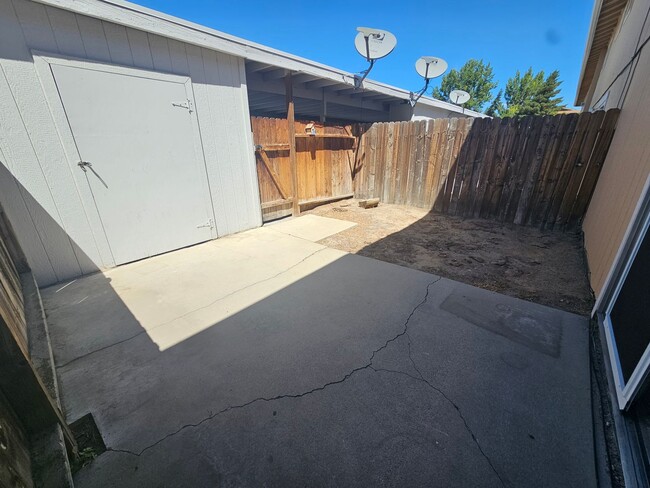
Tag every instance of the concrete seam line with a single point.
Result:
(234, 292)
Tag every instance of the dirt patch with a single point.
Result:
(546, 267)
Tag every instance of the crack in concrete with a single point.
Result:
(368, 365)
(454, 404)
(420, 378)
(241, 289)
(202, 307)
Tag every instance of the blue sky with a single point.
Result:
(510, 34)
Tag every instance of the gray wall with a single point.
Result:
(52, 217)
(404, 111)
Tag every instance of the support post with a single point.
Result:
(323, 113)
(288, 87)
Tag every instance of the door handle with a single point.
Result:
(84, 164)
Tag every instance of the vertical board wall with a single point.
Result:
(54, 218)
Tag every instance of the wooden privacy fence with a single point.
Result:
(324, 162)
(27, 407)
(535, 170)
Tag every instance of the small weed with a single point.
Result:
(85, 457)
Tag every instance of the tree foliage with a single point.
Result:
(496, 107)
(475, 77)
(529, 94)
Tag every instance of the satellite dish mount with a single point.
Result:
(428, 67)
(372, 44)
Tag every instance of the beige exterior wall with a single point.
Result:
(627, 165)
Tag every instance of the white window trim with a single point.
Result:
(636, 231)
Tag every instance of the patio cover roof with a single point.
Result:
(267, 62)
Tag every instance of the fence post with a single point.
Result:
(288, 87)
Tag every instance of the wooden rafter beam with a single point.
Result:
(304, 78)
(347, 91)
(254, 66)
(277, 74)
(257, 83)
(322, 83)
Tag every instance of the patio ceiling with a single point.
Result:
(314, 96)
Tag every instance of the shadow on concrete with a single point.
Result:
(356, 373)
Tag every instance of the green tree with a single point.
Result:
(496, 107)
(475, 77)
(530, 94)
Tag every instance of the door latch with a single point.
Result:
(187, 104)
(209, 223)
(84, 164)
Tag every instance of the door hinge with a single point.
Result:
(187, 104)
(209, 223)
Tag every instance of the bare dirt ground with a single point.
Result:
(546, 267)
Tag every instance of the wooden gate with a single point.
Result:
(324, 160)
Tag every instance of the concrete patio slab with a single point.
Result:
(312, 227)
(264, 359)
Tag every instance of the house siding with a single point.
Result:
(54, 217)
(627, 165)
(404, 111)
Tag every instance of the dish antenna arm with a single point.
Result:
(372, 44)
(358, 78)
(414, 97)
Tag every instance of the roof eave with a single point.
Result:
(142, 18)
(605, 19)
(590, 39)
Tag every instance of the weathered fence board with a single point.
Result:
(324, 163)
(534, 170)
(12, 305)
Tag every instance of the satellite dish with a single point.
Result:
(374, 43)
(430, 67)
(427, 67)
(459, 97)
